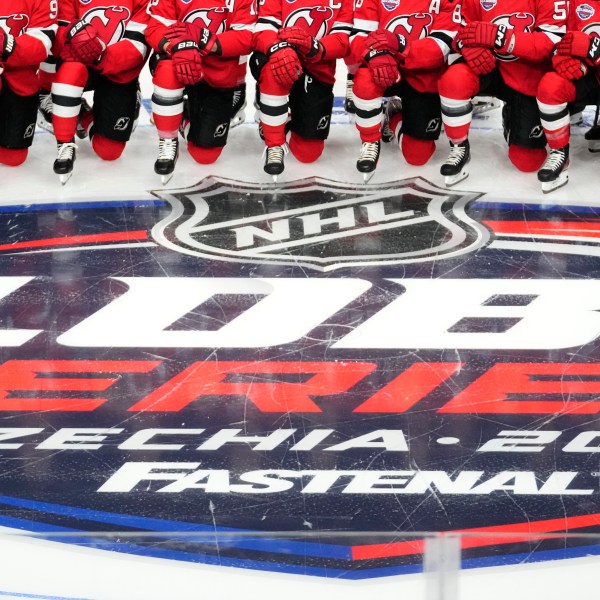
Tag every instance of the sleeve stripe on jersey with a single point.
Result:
(444, 39)
(166, 22)
(272, 21)
(342, 28)
(243, 26)
(361, 25)
(46, 36)
(138, 40)
(62, 23)
(554, 32)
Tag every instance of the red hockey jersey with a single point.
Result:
(33, 25)
(428, 25)
(231, 20)
(329, 21)
(585, 16)
(538, 25)
(121, 27)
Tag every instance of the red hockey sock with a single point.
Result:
(13, 157)
(416, 152)
(203, 155)
(526, 159)
(305, 150)
(107, 149)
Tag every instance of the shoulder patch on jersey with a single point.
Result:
(390, 4)
(585, 11)
(488, 4)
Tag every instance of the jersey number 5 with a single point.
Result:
(560, 10)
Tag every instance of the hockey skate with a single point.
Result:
(554, 172)
(274, 164)
(368, 159)
(349, 99)
(45, 111)
(593, 138)
(84, 120)
(168, 153)
(65, 158)
(239, 106)
(454, 168)
(392, 107)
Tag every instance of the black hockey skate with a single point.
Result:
(168, 153)
(392, 107)
(454, 168)
(84, 120)
(553, 173)
(274, 164)
(65, 159)
(593, 138)
(349, 99)
(44, 119)
(368, 159)
(239, 106)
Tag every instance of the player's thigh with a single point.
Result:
(210, 112)
(114, 108)
(521, 121)
(17, 118)
(311, 103)
(421, 113)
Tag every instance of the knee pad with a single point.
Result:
(13, 157)
(204, 155)
(458, 83)
(305, 150)
(416, 152)
(554, 89)
(107, 149)
(526, 159)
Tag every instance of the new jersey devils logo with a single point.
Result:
(519, 22)
(15, 24)
(411, 26)
(212, 18)
(593, 30)
(315, 20)
(108, 21)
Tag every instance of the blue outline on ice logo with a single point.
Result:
(488, 4)
(585, 11)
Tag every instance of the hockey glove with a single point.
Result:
(285, 63)
(480, 60)
(386, 41)
(581, 45)
(383, 67)
(7, 45)
(86, 46)
(187, 62)
(568, 67)
(303, 42)
(205, 38)
(488, 35)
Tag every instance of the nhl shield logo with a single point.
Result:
(319, 223)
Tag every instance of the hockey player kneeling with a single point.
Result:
(198, 44)
(404, 47)
(102, 48)
(506, 49)
(574, 81)
(27, 30)
(296, 49)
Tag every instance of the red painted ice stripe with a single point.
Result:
(76, 240)
(510, 533)
(574, 228)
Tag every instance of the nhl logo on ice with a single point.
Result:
(584, 12)
(319, 223)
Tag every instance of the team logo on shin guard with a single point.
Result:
(319, 223)
(122, 124)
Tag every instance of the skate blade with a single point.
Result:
(594, 145)
(550, 186)
(164, 179)
(367, 176)
(43, 124)
(275, 177)
(237, 120)
(64, 177)
(451, 180)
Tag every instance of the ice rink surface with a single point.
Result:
(519, 244)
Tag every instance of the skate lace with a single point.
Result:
(369, 151)
(275, 154)
(457, 153)
(167, 148)
(46, 103)
(555, 159)
(66, 151)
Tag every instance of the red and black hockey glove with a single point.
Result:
(303, 42)
(386, 41)
(7, 45)
(581, 45)
(180, 32)
(285, 63)
(480, 60)
(487, 35)
(187, 62)
(383, 67)
(568, 67)
(86, 46)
